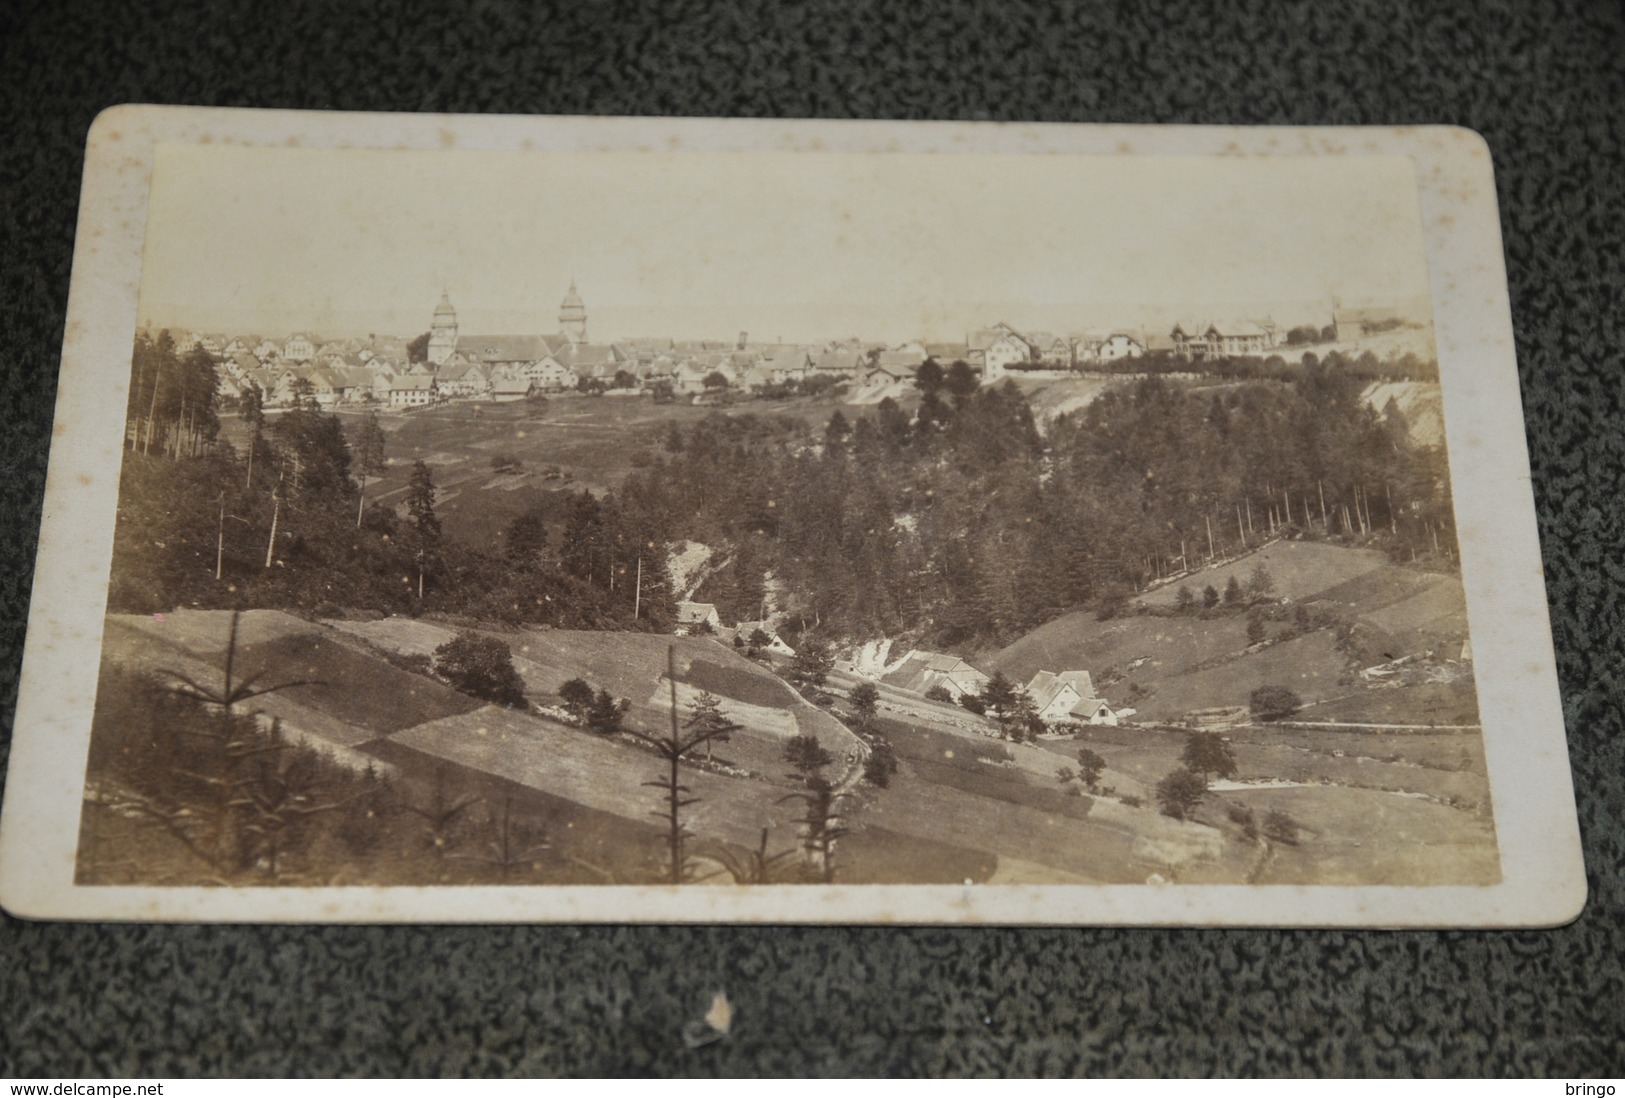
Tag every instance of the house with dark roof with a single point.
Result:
(788, 362)
(1093, 347)
(462, 379)
(1221, 339)
(775, 643)
(300, 347)
(840, 361)
(548, 374)
(697, 615)
(411, 390)
(1354, 323)
(1098, 711)
(947, 354)
(998, 349)
(512, 388)
(892, 366)
(921, 670)
(1057, 695)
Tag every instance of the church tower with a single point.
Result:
(573, 317)
(443, 332)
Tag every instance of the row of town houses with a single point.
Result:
(1057, 695)
(470, 366)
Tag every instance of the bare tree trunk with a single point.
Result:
(674, 789)
(175, 444)
(276, 513)
(1209, 522)
(1324, 521)
(1240, 528)
(152, 413)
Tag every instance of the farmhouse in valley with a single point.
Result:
(920, 671)
(1056, 695)
(697, 615)
(775, 643)
(1096, 711)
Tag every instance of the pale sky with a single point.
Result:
(799, 246)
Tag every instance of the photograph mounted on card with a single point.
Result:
(561, 519)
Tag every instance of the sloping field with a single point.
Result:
(1424, 703)
(1309, 665)
(407, 636)
(601, 774)
(899, 391)
(357, 688)
(1361, 836)
(1190, 662)
(871, 854)
(1104, 847)
(1381, 823)
(633, 665)
(1078, 641)
(1054, 395)
(1299, 568)
(355, 697)
(1377, 589)
(737, 678)
(628, 665)
(1439, 607)
(203, 633)
(1022, 813)
(606, 842)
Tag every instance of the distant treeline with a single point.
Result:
(1288, 366)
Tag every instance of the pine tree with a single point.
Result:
(420, 493)
(369, 458)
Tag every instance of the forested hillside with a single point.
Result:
(279, 523)
(962, 525)
(957, 523)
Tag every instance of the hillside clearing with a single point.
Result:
(1298, 570)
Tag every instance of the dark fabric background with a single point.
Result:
(1544, 82)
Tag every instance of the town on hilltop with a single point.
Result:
(450, 364)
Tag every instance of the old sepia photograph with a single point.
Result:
(609, 518)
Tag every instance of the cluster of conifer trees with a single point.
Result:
(961, 524)
(956, 523)
(282, 522)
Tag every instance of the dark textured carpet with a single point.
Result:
(1545, 83)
